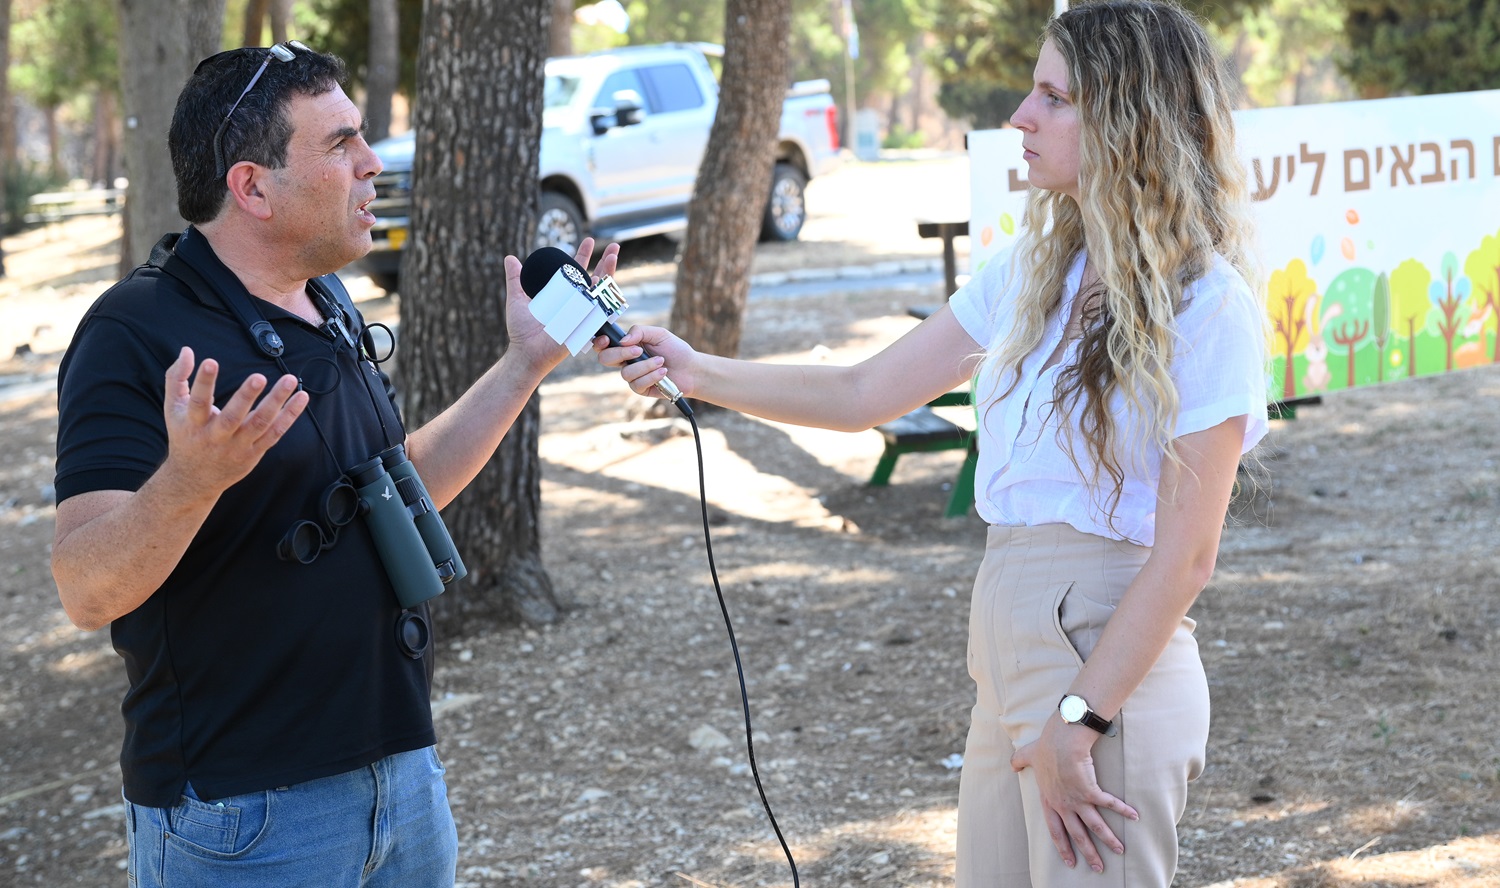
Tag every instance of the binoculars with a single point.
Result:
(414, 544)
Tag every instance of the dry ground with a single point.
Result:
(1350, 637)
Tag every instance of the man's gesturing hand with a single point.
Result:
(214, 447)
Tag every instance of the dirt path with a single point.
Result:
(1350, 637)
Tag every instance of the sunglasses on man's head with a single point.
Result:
(281, 52)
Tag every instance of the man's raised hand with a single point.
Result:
(215, 447)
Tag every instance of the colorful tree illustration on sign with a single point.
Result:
(1483, 268)
(1286, 300)
(1381, 315)
(1450, 293)
(1348, 309)
(1409, 306)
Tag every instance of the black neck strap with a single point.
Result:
(327, 293)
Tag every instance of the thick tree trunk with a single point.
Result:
(560, 34)
(281, 20)
(158, 51)
(54, 142)
(255, 21)
(7, 136)
(385, 68)
(106, 139)
(734, 182)
(474, 193)
(205, 26)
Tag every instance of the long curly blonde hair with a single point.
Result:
(1161, 190)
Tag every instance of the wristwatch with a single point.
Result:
(1075, 711)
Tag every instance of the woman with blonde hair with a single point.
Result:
(1117, 358)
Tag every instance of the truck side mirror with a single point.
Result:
(628, 111)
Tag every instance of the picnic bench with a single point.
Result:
(923, 431)
(55, 206)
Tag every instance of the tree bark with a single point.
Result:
(106, 139)
(158, 51)
(7, 135)
(734, 182)
(54, 142)
(281, 19)
(255, 21)
(205, 27)
(560, 34)
(474, 195)
(385, 68)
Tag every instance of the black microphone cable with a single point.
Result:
(537, 272)
(734, 646)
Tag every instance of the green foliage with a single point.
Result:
(888, 35)
(666, 21)
(1289, 43)
(595, 38)
(985, 42)
(898, 138)
(1419, 47)
(985, 50)
(22, 180)
(342, 27)
(65, 49)
(985, 104)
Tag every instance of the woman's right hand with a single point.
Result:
(669, 356)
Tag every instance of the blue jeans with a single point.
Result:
(381, 826)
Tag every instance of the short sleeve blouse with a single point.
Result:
(1025, 476)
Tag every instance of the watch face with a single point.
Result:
(1072, 708)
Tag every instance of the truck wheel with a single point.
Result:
(786, 210)
(560, 223)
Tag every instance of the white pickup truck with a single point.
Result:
(623, 134)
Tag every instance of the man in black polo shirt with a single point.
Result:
(278, 730)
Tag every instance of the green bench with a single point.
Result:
(923, 431)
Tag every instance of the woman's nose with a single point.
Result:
(1021, 117)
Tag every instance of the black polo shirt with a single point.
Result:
(247, 671)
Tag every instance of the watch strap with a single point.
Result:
(1092, 719)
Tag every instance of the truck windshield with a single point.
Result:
(559, 91)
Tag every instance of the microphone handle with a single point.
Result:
(614, 334)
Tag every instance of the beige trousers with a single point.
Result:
(1040, 602)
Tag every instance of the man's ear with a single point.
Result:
(247, 188)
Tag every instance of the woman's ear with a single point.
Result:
(246, 182)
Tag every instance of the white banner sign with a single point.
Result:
(1379, 227)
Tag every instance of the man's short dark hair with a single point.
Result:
(259, 129)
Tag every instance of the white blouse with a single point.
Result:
(1024, 475)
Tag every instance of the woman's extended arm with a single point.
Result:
(1191, 506)
(933, 358)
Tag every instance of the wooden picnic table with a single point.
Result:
(54, 206)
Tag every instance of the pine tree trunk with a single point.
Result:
(205, 27)
(281, 20)
(105, 141)
(158, 51)
(560, 34)
(385, 68)
(734, 182)
(255, 21)
(474, 193)
(6, 136)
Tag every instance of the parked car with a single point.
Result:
(623, 134)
